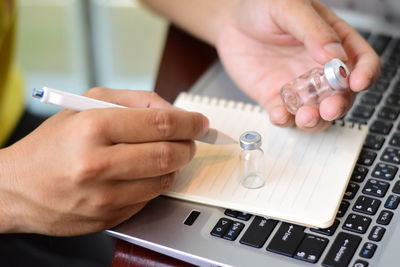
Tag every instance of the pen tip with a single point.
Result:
(37, 92)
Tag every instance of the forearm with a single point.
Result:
(202, 18)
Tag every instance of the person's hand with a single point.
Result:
(82, 172)
(267, 43)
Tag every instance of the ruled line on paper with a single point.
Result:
(328, 160)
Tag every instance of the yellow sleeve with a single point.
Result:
(11, 104)
(11, 87)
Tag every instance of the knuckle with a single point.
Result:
(164, 123)
(103, 200)
(154, 96)
(167, 180)
(86, 169)
(90, 124)
(164, 157)
(96, 92)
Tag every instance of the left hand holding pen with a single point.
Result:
(267, 43)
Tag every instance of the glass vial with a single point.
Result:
(315, 85)
(251, 160)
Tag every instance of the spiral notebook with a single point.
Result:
(306, 173)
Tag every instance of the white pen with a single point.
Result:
(81, 103)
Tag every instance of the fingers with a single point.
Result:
(127, 193)
(364, 61)
(336, 106)
(308, 118)
(129, 98)
(143, 125)
(279, 116)
(301, 20)
(147, 159)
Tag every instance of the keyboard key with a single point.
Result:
(388, 113)
(392, 202)
(364, 34)
(221, 227)
(363, 112)
(396, 188)
(360, 263)
(380, 86)
(374, 141)
(375, 188)
(389, 68)
(381, 127)
(258, 232)
(351, 191)
(231, 213)
(344, 205)
(243, 216)
(233, 232)
(287, 239)
(342, 250)
(367, 205)
(357, 120)
(391, 155)
(368, 250)
(359, 174)
(384, 218)
(311, 248)
(371, 99)
(384, 171)
(327, 231)
(356, 223)
(393, 100)
(380, 43)
(376, 233)
(366, 157)
(396, 88)
(395, 140)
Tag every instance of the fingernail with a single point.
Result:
(312, 123)
(336, 50)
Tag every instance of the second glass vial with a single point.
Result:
(251, 160)
(315, 85)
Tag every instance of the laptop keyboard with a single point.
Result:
(371, 198)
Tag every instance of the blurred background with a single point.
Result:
(77, 44)
(73, 45)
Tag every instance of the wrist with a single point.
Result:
(8, 218)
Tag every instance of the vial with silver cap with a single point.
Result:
(315, 85)
(251, 160)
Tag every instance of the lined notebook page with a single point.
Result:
(306, 173)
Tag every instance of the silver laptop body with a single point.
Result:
(163, 225)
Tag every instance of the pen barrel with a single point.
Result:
(74, 102)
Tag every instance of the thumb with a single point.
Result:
(300, 19)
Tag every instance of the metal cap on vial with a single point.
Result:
(250, 140)
(337, 74)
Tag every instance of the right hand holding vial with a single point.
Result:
(268, 43)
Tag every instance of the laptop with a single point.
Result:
(366, 231)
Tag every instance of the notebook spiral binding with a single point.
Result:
(254, 108)
(350, 124)
(222, 102)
